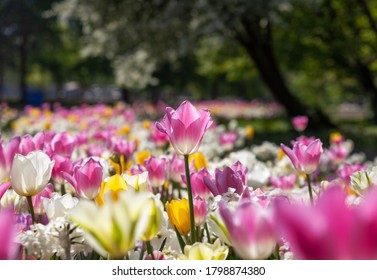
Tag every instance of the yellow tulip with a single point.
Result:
(249, 132)
(179, 215)
(199, 160)
(114, 185)
(142, 156)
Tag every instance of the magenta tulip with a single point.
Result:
(185, 127)
(86, 179)
(330, 229)
(7, 235)
(305, 159)
(228, 139)
(251, 230)
(199, 188)
(62, 164)
(284, 182)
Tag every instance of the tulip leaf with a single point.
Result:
(182, 243)
(163, 244)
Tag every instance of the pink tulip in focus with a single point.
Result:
(284, 182)
(330, 230)
(225, 179)
(251, 230)
(185, 127)
(7, 153)
(300, 123)
(199, 188)
(7, 234)
(305, 159)
(156, 171)
(86, 178)
(63, 144)
(176, 169)
(228, 139)
(200, 211)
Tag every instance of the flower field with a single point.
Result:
(161, 183)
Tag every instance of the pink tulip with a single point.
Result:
(123, 147)
(330, 229)
(37, 199)
(176, 169)
(242, 170)
(160, 139)
(284, 182)
(62, 164)
(224, 179)
(26, 145)
(86, 179)
(63, 144)
(7, 235)
(228, 139)
(4, 187)
(305, 159)
(300, 123)
(251, 230)
(157, 256)
(185, 127)
(7, 153)
(156, 171)
(200, 211)
(347, 170)
(199, 188)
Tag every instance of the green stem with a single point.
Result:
(31, 208)
(191, 201)
(207, 232)
(149, 249)
(277, 255)
(62, 189)
(310, 188)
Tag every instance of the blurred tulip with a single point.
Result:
(284, 182)
(160, 139)
(185, 127)
(176, 169)
(251, 230)
(199, 188)
(63, 144)
(200, 210)
(205, 251)
(330, 229)
(30, 174)
(138, 181)
(227, 140)
(179, 215)
(114, 228)
(7, 153)
(305, 159)
(300, 123)
(7, 235)
(37, 199)
(199, 161)
(113, 185)
(156, 171)
(62, 164)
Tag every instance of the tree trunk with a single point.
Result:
(125, 95)
(258, 45)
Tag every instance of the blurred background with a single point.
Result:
(311, 57)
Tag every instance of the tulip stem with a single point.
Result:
(207, 232)
(149, 249)
(310, 188)
(191, 202)
(31, 208)
(62, 189)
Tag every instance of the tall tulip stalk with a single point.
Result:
(185, 128)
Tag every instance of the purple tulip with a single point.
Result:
(86, 179)
(251, 230)
(185, 127)
(305, 159)
(225, 179)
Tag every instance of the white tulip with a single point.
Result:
(30, 174)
